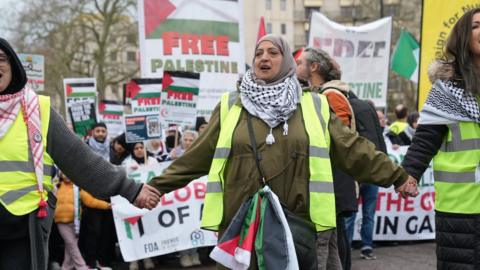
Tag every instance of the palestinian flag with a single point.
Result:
(141, 88)
(110, 108)
(193, 17)
(81, 87)
(145, 88)
(181, 82)
(259, 226)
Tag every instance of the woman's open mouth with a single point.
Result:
(265, 67)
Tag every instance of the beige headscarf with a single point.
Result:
(288, 68)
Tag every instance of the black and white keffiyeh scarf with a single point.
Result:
(273, 104)
(101, 148)
(448, 103)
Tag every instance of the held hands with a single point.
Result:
(148, 197)
(409, 188)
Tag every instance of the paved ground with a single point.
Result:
(418, 256)
(391, 256)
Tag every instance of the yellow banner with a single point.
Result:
(438, 19)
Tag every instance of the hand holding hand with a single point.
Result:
(148, 197)
(409, 188)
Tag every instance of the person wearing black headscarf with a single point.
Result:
(119, 150)
(26, 205)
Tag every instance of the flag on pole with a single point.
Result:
(405, 59)
(261, 29)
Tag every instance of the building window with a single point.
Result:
(283, 5)
(268, 4)
(131, 56)
(283, 28)
(269, 28)
(132, 39)
(354, 12)
(390, 10)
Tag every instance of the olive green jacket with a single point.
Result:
(285, 163)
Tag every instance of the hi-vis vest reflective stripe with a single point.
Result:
(457, 171)
(18, 184)
(316, 115)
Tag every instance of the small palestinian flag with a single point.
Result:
(110, 108)
(181, 82)
(141, 88)
(259, 226)
(81, 87)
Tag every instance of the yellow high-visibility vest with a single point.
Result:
(18, 183)
(456, 169)
(316, 114)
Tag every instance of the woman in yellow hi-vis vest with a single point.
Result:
(449, 132)
(32, 138)
(297, 140)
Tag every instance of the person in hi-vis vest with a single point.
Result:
(448, 132)
(33, 137)
(297, 137)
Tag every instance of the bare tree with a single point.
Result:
(79, 38)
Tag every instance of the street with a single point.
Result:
(390, 255)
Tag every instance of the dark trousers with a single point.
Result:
(343, 244)
(55, 246)
(15, 254)
(97, 237)
(30, 251)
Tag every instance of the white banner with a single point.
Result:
(202, 36)
(175, 224)
(172, 226)
(34, 66)
(397, 218)
(363, 53)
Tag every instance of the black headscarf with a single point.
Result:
(139, 160)
(19, 77)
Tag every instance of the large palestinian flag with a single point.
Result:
(166, 16)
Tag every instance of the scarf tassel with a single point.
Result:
(285, 129)
(270, 139)
(42, 208)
